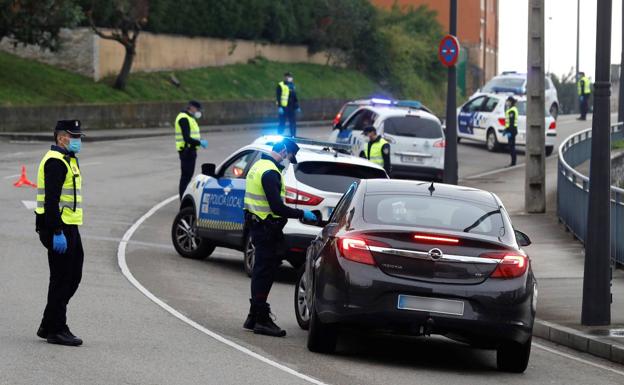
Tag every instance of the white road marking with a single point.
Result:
(89, 164)
(566, 355)
(492, 172)
(11, 176)
(121, 260)
(30, 205)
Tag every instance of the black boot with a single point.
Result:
(42, 332)
(250, 322)
(64, 337)
(265, 325)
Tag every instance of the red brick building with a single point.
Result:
(477, 31)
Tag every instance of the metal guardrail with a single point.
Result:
(573, 191)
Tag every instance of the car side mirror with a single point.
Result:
(522, 239)
(208, 169)
(330, 230)
(338, 126)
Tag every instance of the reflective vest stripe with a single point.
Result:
(375, 154)
(194, 130)
(507, 113)
(285, 94)
(65, 191)
(255, 198)
(62, 204)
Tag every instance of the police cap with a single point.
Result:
(368, 129)
(72, 127)
(196, 104)
(290, 146)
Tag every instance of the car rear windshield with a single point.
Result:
(333, 176)
(413, 126)
(504, 84)
(435, 212)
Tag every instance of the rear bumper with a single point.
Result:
(417, 172)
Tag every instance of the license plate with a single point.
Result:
(411, 159)
(430, 305)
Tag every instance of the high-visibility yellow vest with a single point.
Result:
(255, 198)
(586, 90)
(194, 130)
(285, 94)
(70, 203)
(507, 113)
(375, 155)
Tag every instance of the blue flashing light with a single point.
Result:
(381, 101)
(269, 139)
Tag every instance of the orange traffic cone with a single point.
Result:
(23, 180)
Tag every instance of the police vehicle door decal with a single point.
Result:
(221, 205)
(465, 122)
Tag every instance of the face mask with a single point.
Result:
(289, 80)
(197, 114)
(74, 145)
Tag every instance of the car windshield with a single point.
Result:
(333, 176)
(504, 85)
(347, 111)
(413, 126)
(435, 212)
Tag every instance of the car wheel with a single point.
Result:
(302, 311)
(458, 139)
(322, 337)
(184, 236)
(491, 142)
(250, 255)
(554, 110)
(549, 150)
(513, 357)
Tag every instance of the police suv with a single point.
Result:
(482, 119)
(211, 209)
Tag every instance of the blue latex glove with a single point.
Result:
(280, 110)
(59, 243)
(203, 143)
(299, 109)
(309, 216)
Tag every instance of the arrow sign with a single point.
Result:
(448, 51)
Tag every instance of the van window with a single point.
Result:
(413, 126)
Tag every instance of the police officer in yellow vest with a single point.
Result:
(266, 215)
(58, 215)
(584, 92)
(377, 149)
(511, 127)
(187, 139)
(287, 104)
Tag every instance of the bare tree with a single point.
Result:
(128, 19)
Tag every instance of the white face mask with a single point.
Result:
(197, 114)
(289, 80)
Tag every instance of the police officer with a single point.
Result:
(287, 104)
(187, 139)
(266, 215)
(58, 215)
(511, 127)
(377, 149)
(584, 91)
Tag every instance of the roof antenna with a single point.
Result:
(431, 189)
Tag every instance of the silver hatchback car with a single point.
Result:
(416, 139)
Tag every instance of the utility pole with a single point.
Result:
(535, 170)
(578, 34)
(597, 278)
(450, 153)
(621, 79)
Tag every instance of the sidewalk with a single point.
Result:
(137, 133)
(558, 262)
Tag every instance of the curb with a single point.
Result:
(113, 135)
(572, 338)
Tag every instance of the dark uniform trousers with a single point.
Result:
(268, 240)
(187, 166)
(512, 146)
(65, 276)
(291, 115)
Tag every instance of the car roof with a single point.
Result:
(395, 186)
(501, 96)
(391, 111)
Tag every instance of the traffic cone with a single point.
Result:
(23, 180)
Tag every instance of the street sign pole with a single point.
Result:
(450, 153)
(597, 278)
(621, 81)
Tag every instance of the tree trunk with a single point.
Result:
(122, 78)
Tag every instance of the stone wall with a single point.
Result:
(85, 53)
(159, 114)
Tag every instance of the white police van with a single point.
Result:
(211, 210)
(482, 119)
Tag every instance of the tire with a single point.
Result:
(549, 150)
(459, 139)
(554, 110)
(248, 255)
(322, 337)
(302, 310)
(185, 239)
(513, 357)
(491, 142)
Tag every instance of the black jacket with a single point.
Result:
(272, 185)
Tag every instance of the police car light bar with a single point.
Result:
(381, 101)
(272, 139)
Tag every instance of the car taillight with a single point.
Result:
(501, 121)
(296, 197)
(553, 125)
(357, 249)
(337, 118)
(510, 265)
(430, 238)
(440, 144)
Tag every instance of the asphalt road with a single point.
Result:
(131, 340)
